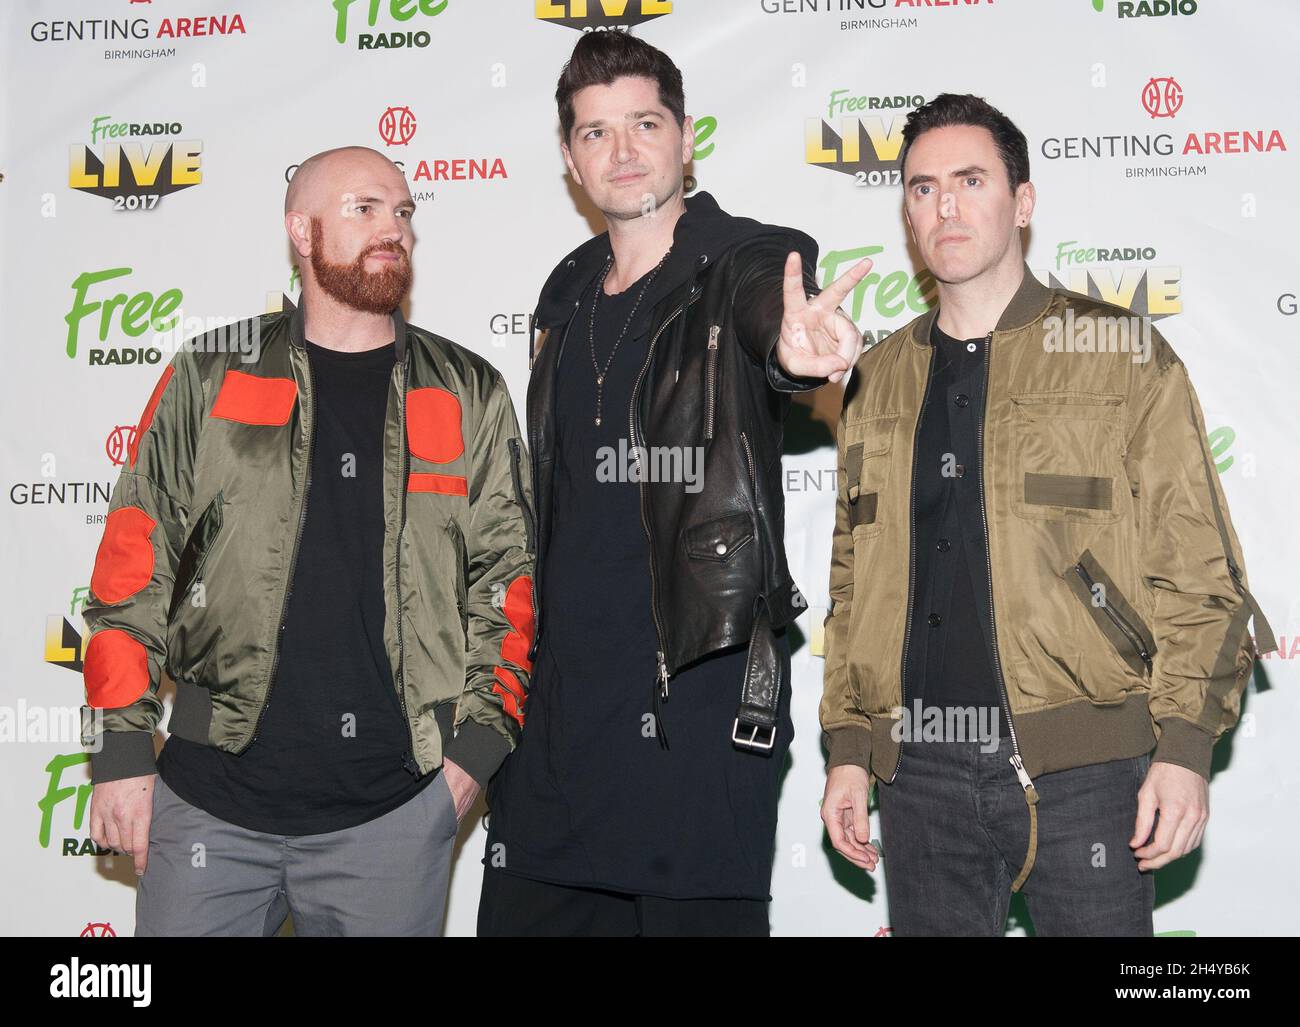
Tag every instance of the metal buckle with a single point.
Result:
(752, 741)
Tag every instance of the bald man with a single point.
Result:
(325, 540)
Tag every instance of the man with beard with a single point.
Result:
(642, 800)
(325, 543)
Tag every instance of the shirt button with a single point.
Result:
(971, 347)
(935, 620)
(962, 400)
(720, 549)
(944, 545)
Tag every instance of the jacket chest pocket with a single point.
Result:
(868, 451)
(1066, 461)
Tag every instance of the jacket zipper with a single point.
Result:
(710, 379)
(293, 560)
(513, 445)
(408, 760)
(1017, 763)
(1135, 640)
(462, 596)
(534, 437)
(911, 560)
(749, 460)
(662, 675)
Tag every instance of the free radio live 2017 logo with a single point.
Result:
(600, 15)
(867, 144)
(128, 162)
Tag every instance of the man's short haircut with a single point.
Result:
(965, 109)
(601, 57)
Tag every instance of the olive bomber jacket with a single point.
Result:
(200, 540)
(1118, 611)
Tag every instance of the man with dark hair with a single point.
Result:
(325, 547)
(642, 799)
(1034, 579)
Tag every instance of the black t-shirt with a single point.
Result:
(332, 742)
(950, 660)
(590, 797)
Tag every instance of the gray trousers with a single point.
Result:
(385, 877)
(956, 829)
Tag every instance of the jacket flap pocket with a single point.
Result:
(1069, 403)
(718, 539)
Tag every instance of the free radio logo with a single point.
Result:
(400, 11)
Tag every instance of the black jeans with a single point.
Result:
(956, 829)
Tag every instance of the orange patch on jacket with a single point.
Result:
(116, 670)
(249, 399)
(124, 561)
(519, 612)
(433, 425)
(443, 484)
(512, 694)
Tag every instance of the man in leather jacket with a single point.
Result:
(669, 347)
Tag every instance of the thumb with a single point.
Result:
(861, 816)
(1146, 816)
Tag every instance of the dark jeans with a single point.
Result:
(956, 829)
(518, 907)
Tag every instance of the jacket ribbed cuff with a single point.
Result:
(123, 754)
(783, 382)
(477, 750)
(1184, 745)
(849, 745)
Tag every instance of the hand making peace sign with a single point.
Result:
(818, 340)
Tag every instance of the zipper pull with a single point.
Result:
(1025, 781)
(663, 677)
(714, 330)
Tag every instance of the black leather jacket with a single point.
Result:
(711, 380)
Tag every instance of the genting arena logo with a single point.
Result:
(118, 443)
(397, 126)
(1162, 97)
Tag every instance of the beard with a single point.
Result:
(375, 292)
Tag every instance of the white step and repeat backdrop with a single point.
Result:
(1162, 137)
